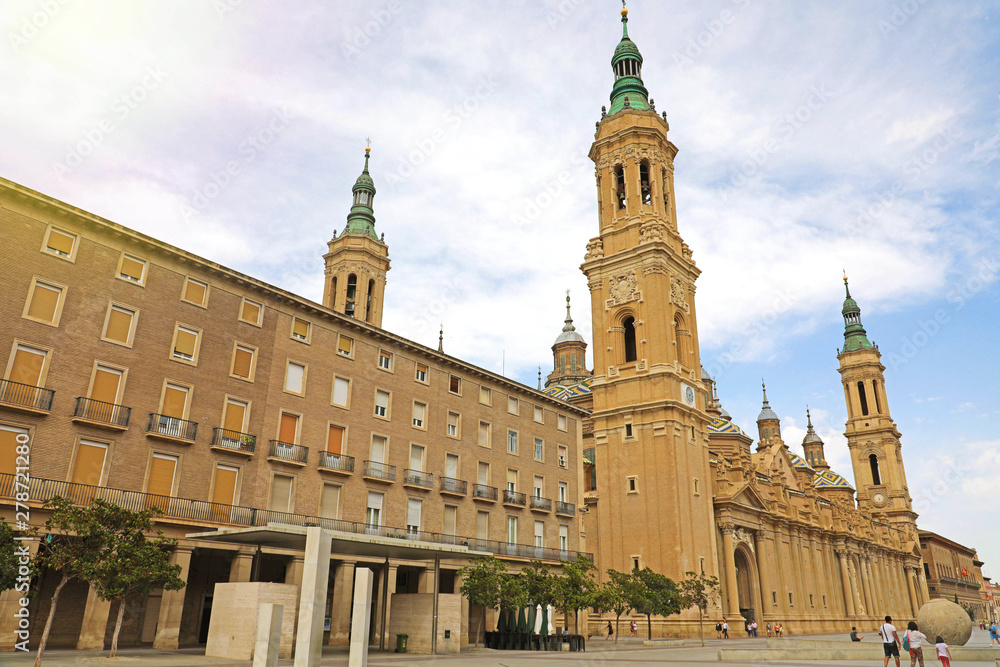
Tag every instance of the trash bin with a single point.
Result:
(401, 643)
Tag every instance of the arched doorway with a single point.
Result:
(745, 584)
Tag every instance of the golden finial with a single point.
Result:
(624, 9)
(368, 145)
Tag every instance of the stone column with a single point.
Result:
(387, 583)
(729, 556)
(913, 594)
(809, 576)
(865, 584)
(872, 597)
(241, 567)
(95, 623)
(766, 604)
(466, 630)
(312, 597)
(340, 607)
(786, 576)
(168, 627)
(293, 570)
(845, 579)
(795, 544)
(877, 585)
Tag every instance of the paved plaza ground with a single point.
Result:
(628, 651)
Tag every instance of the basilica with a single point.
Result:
(790, 540)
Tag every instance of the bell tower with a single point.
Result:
(872, 436)
(358, 259)
(649, 420)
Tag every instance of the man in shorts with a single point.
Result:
(890, 641)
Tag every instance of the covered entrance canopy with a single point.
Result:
(317, 544)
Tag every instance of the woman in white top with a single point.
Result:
(916, 638)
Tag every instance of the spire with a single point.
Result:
(812, 446)
(765, 411)
(441, 338)
(361, 219)
(855, 337)
(539, 378)
(628, 91)
(569, 333)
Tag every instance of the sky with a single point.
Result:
(815, 139)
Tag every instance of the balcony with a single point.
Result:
(485, 493)
(204, 513)
(418, 479)
(224, 440)
(513, 498)
(99, 413)
(454, 487)
(26, 397)
(286, 452)
(338, 464)
(539, 504)
(379, 472)
(567, 509)
(171, 428)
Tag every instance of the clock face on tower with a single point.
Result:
(687, 394)
(878, 499)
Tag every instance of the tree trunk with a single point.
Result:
(118, 628)
(617, 618)
(649, 627)
(701, 628)
(48, 622)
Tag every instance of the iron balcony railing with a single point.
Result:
(288, 452)
(204, 512)
(234, 440)
(456, 486)
(484, 492)
(539, 503)
(380, 470)
(565, 508)
(99, 411)
(418, 478)
(513, 498)
(336, 462)
(26, 395)
(172, 427)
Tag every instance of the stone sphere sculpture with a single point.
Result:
(945, 618)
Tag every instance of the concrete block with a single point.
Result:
(361, 617)
(265, 652)
(232, 632)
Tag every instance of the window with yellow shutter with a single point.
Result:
(300, 329)
(8, 448)
(174, 401)
(89, 465)
(160, 484)
(44, 302)
(288, 428)
(185, 344)
(345, 345)
(106, 385)
(60, 243)
(235, 417)
(132, 269)
(195, 292)
(250, 312)
(119, 325)
(27, 365)
(243, 358)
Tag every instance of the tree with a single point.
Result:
(481, 584)
(699, 591)
(653, 594)
(105, 546)
(130, 564)
(576, 588)
(540, 585)
(8, 556)
(613, 596)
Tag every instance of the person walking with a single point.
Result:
(611, 631)
(718, 629)
(994, 633)
(890, 641)
(916, 640)
(633, 629)
(753, 626)
(725, 629)
(944, 655)
(767, 626)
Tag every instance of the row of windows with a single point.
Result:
(44, 304)
(90, 462)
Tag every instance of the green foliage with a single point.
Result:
(614, 596)
(8, 556)
(653, 594)
(699, 590)
(540, 585)
(481, 584)
(576, 588)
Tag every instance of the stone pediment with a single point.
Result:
(748, 495)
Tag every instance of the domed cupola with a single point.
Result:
(768, 424)
(569, 355)
(855, 336)
(628, 91)
(812, 445)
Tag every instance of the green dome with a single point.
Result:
(628, 91)
(626, 48)
(855, 336)
(361, 219)
(850, 307)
